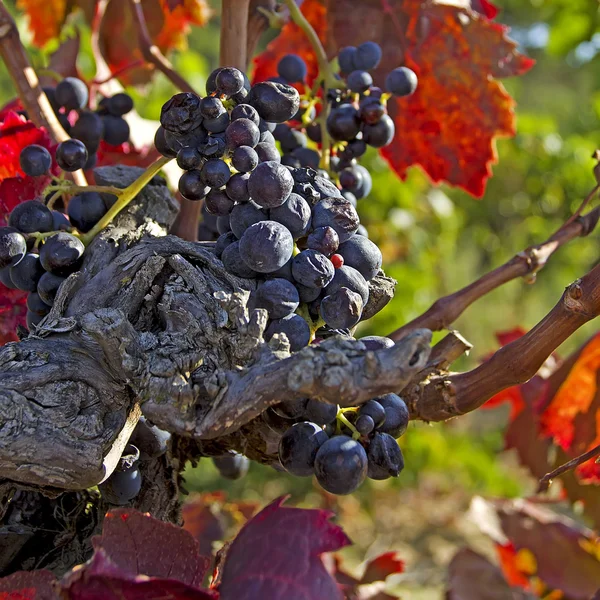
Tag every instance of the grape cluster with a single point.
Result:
(342, 447)
(69, 100)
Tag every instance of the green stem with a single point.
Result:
(50, 73)
(39, 236)
(342, 417)
(125, 195)
(325, 141)
(76, 189)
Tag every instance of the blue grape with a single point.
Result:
(292, 68)
(384, 457)
(121, 487)
(270, 184)
(244, 215)
(363, 255)
(242, 132)
(62, 253)
(294, 327)
(381, 133)
(346, 59)
(237, 187)
(396, 415)
(218, 203)
(245, 111)
(341, 465)
(48, 286)
(36, 305)
(267, 152)
(26, 274)
(351, 279)
(72, 93)
(229, 81)
(342, 309)
(375, 410)
(312, 269)
(274, 102)
(324, 240)
(401, 81)
(244, 159)
(278, 297)
(231, 466)
(85, 210)
(338, 214)
(367, 56)
(364, 424)
(266, 246)
(359, 81)
(31, 216)
(35, 160)
(294, 214)
(215, 173)
(343, 123)
(298, 448)
(321, 413)
(232, 261)
(223, 241)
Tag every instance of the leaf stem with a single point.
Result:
(76, 189)
(125, 196)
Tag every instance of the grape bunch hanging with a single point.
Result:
(284, 220)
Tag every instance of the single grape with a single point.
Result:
(91, 162)
(121, 487)
(61, 253)
(188, 159)
(359, 81)
(229, 81)
(245, 111)
(278, 297)
(307, 294)
(341, 465)
(312, 269)
(338, 214)
(6, 280)
(48, 286)
(35, 160)
(191, 185)
(295, 214)
(31, 216)
(244, 159)
(325, 188)
(270, 184)
(292, 68)
(71, 155)
(367, 56)
(291, 161)
(266, 246)
(346, 59)
(116, 130)
(237, 187)
(313, 132)
(89, 129)
(343, 123)
(294, 327)
(85, 210)
(72, 93)
(181, 113)
(349, 277)
(211, 107)
(242, 132)
(401, 82)
(307, 157)
(223, 241)
(215, 173)
(244, 215)
(160, 143)
(26, 274)
(381, 133)
(384, 457)
(321, 413)
(284, 272)
(267, 152)
(324, 240)
(375, 410)
(214, 146)
(218, 203)
(36, 305)
(232, 261)
(351, 179)
(363, 255)
(218, 124)
(298, 448)
(366, 184)
(364, 424)
(119, 104)
(292, 139)
(231, 466)
(13, 247)
(274, 102)
(211, 81)
(371, 112)
(396, 415)
(342, 309)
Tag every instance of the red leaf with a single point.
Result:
(12, 312)
(142, 545)
(204, 526)
(508, 561)
(277, 555)
(380, 568)
(449, 124)
(100, 579)
(484, 7)
(28, 585)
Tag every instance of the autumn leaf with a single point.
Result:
(12, 313)
(28, 585)
(449, 125)
(46, 18)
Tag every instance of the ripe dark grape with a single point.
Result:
(307, 157)
(381, 133)
(36, 305)
(375, 410)
(396, 415)
(218, 203)
(121, 487)
(242, 132)
(359, 81)
(232, 261)
(312, 269)
(211, 107)
(26, 274)
(324, 240)
(223, 241)
(229, 81)
(266, 246)
(270, 184)
(244, 159)
(89, 129)
(278, 297)
(71, 155)
(61, 254)
(231, 466)
(313, 131)
(188, 159)
(244, 215)
(160, 143)
(321, 413)
(298, 448)
(267, 152)
(48, 286)
(342, 309)
(371, 112)
(294, 327)
(71, 93)
(384, 457)
(346, 59)
(341, 465)
(292, 68)
(351, 179)
(295, 214)
(343, 123)
(85, 210)
(367, 56)
(31, 216)
(214, 146)
(307, 294)
(223, 224)
(35, 160)
(338, 214)
(116, 130)
(13, 247)
(237, 187)
(215, 173)
(181, 113)
(6, 280)
(245, 111)
(363, 255)
(218, 124)
(192, 186)
(274, 102)
(348, 277)
(364, 424)
(401, 82)
(119, 104)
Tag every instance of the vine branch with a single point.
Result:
(546, 480)
(446, 310)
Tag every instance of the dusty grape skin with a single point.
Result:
(321, 413)
(270, 184)
(13, 247)
(363, 255)
(324, 240)
(292, 68)
(294, 214)
(338, 214)
(294, 327)
(35, 160)
(384, 457)
(48, 286)
(244, 159)
(401, 81)
(27, 272)
(242, 132)
(274, 102)
(397, 416)
(234, 264)
(298, 448)
(341, 465)
(85, 210)
(244, 215)
(61, 254)
(349, 277)
(312, 269)
(31, 216)
(342, 309)
(278, 297)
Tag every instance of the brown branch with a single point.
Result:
(447, 396)
(257, 24)
(151, 52)
(234, 33)
(27, 84)
(546, 480)
(446, 310)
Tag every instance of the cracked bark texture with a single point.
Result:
(155, 322)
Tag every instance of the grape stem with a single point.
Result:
(76, 189)
(125, 196)
(40, 236)
(343, 419)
